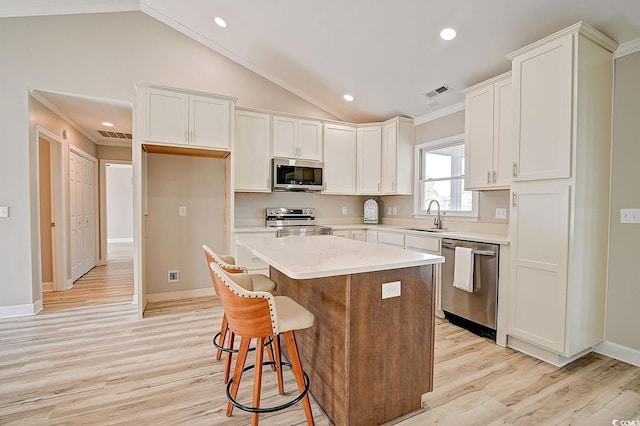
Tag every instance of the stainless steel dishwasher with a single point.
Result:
(475, 311)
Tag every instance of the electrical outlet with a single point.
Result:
(389, 211)
(394, 211)
(344, 210)
(173, 276)
(182, 210)
(4, 211)
(391, 289)
(501, 213)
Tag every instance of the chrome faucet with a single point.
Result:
(437, 221)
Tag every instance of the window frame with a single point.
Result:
(422, 214)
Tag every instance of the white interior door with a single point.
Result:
(88, 215)
(75, 216)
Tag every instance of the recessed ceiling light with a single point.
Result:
(348, 98)
(448, 34)
(221, 22)
(107, 124)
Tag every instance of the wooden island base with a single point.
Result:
(369, 359)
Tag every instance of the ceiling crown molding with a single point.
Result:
(440, 113)
(21, 8)
(627, 48)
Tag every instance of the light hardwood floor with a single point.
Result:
(90, 361)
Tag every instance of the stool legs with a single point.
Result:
(294, 358)
(257, 381)
(223, 334)
(237, 373)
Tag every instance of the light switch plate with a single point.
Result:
(501, 213)
(629, 215)
(4, 211)
(182, 210)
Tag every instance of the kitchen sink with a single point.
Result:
(436, 230)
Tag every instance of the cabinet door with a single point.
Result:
(252, 152)
(167, 117)
(209, 122)
(503, 134)
(369, 159)
(342, 233)
(479, 138)
(359, 235)
(285, 134)
(389, 159)
(540, 245)
(339, 159)
(372, 236)
(543, 93)
(310, 140)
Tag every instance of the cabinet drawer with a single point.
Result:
(390, 238)
(247, 259)
(431, 244)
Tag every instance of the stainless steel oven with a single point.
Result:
(294, 222)
(474, 310)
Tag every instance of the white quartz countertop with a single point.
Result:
(326, 255)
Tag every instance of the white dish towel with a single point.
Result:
(463, 269)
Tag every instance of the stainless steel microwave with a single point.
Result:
(296, 175)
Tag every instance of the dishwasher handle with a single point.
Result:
(475, 251)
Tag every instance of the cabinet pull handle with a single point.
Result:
(514, 197)
(186, 136)
(488, 177)
(378, 186)
(494, 176)
(515, 169)
(393, 186)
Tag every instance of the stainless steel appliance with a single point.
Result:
(296, 175)
(294, 222)
(475, 311)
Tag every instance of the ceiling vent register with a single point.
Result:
(437, 92)
(115, 135)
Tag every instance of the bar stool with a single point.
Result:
(252, 282)
(261, 315)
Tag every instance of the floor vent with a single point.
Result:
(115, 135)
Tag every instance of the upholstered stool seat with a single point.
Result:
(251, 282)
(261, 315)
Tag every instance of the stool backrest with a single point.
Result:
(242, 277)
(223, 261)
(249, 313)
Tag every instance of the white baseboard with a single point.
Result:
(619, 352)
(120, 240)
(20, 310)
(175, 295)
(48, 287)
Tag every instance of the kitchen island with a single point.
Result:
(369, 359)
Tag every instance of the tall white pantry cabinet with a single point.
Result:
(562, 87)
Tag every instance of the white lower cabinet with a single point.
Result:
(354, 234)
(391, 239)
(245, 258)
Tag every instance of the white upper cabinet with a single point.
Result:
(252, 152)
(489, 134)
(369, 163)
(182, 118)
(339, 159)
(543, 94)
(297, 138)
(397, 156)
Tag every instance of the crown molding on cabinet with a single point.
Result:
(440, 113)
(627, 48)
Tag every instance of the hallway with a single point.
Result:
(103, 284)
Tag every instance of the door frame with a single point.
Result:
(102, 260)
(59, 155)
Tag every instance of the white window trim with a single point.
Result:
(471, 216)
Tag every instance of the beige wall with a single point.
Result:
(119, 199)
(98, 55)
(119, 153)
(623, 292)
(488, 201)
(175, 242)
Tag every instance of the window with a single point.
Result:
(440, 177)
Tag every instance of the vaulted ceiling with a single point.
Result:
(385, 53)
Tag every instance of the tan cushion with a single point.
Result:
(262, 283)
(291, 315)
(227, 259)
(243, 280)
